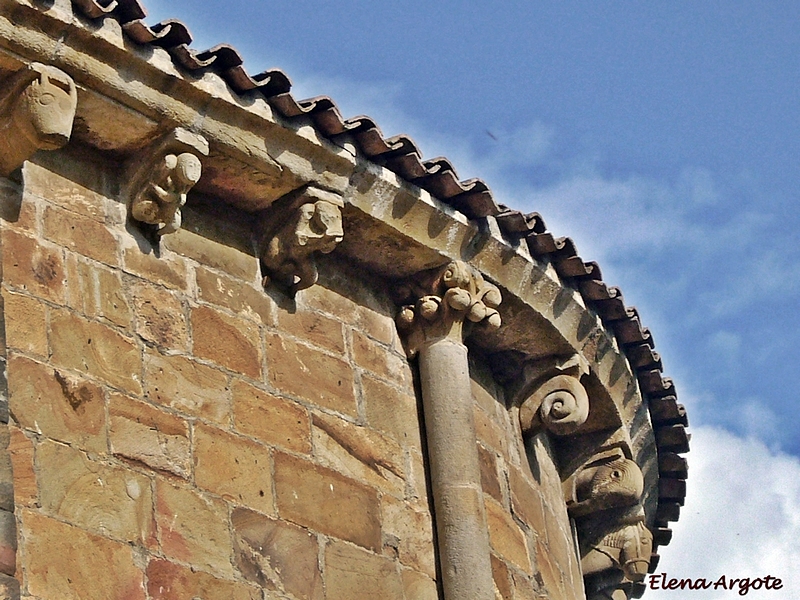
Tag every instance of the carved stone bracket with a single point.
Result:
(160, 176)
(626, 549)
(437, 302)
(559, 402)
(37, 107)
(609, 480)
(296, 227)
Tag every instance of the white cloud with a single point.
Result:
(741, 518)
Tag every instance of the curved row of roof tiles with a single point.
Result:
(473, 198)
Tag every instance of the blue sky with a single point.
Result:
(664, 138)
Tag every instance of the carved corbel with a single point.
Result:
(559, 402)
(37, 108)
(609, 480)
(437, 302)
(626, 549)
(299, 225)
(160, 176)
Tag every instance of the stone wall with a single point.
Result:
(177, 432)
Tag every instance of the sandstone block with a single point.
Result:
(8, 543)
(271, 419)
(76, 192)
(235, 295)
(97, 349)
(326, 501)
(168, 581)
(413, 530)
(58, 405)
(311, 375)
(418, 586)
(52, 571)
(548, 570)
(193, 528)
(526, 502)
(235, 468)
(319, 298)
(140, 432)
(81, 234)
(228, 341)
(277, 555)
(506, 537)
(356, 574)
(111, 301)
(187, 386)
(20, 449)
(360, 453)
(105, 500)
(502, 579)
(168, 270)
(31, 266)
(25, 323)
(213, 254)
(313, 328)
(160, 317)
(490, 482)
(379, 325)
(391, 411)
(9, 588)
(379, 359)
(490, 432)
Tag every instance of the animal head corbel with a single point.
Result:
(559, 402)
(627, 549)
(160, 177)
(37, 109)
(296, 227)
(611, 479)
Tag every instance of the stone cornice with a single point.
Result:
(554, 303)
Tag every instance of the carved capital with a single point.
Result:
(37, 107)
(626, 549)
(160, 176)
(437, 302)
(298, 226)
(608, 480)
(559, 402)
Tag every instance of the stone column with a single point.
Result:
(433, 326)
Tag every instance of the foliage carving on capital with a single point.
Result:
(558, 401)
(297, 227)
(609, 480)
(37, 108)
(160, 177)
(436, 303)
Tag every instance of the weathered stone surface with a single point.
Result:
(489, 479)
(8, 543)
(413, 530)
(81, 234)
(168, 581)
(25, 323)
(167, 270)
(193, 528)
(9, 587)
(418, 586)
(380, 359)
(313, 328)
(143, 433)
(271, 419)
(160, 316)
(228, 341)
(236, 295)
(97, 349)
(391, 411)
(356, 574)
(213, 254)
(109, 501)
(526, 502)
(34, 267)
(326, 501)
(276, 555)
(57, 405)
(64, 562)
(73, 188)
(234, 468)
(311, 375)
(187, 386)
(20, 449)
(359, 453)
(502, 579)
(320, 298)
(506, 537)
(111, 301)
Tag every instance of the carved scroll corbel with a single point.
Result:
(436, 303)
(298, 226)
(160, 176)
(37, 108)
(609, 480)
(559, 402)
